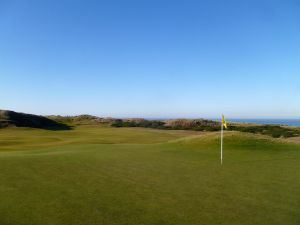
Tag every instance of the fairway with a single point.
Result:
(98, 175)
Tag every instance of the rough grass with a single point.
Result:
(109, 176)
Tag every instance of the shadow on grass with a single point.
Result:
(59, 127)
(53, 125)
(11, 118)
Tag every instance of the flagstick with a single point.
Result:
(221, 143)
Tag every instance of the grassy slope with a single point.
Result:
(28, 138)
(137, 176)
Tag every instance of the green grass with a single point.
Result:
(115, 176)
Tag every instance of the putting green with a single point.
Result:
(116, 176)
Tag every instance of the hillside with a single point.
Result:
(11, 118)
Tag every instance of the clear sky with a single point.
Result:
(151, 58)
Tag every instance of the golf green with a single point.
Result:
(95, 175)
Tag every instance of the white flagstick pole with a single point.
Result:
(221, 143)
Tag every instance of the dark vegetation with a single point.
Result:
(139, 123)
(180, 124)
(11, 118)
(81, 120)
(275, 131)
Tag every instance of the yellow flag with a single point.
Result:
(224, 121)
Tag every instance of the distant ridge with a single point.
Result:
(11, 118)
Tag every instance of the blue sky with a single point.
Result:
(158, 58)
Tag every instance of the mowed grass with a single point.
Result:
(116, 176)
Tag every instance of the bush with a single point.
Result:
(276, 134)
(139, 123)
(288, 134)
